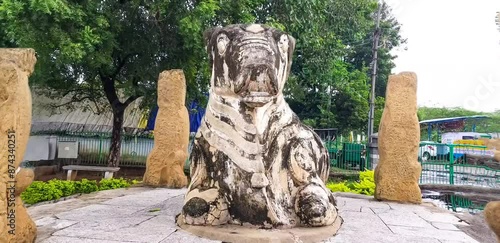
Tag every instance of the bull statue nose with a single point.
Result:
(255, 28)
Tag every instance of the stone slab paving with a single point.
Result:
(147, 215)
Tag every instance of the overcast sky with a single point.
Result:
(454, 47)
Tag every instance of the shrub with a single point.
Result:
(86, 186)
(107, 184)
(54, 189)
(365, 185)
(67, 188)
(41, 191)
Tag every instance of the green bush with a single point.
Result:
(41, 191)
(54, 189)
(67, 188)
(365, 185)
(107, 184)
(86, 186)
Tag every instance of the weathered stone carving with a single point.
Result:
(16, 65)
(492, 216)
(252, 159)
(165, 163)
(398, 170)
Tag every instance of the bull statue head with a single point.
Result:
(251, 62)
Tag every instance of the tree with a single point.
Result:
(363, 56)
(99, 48)
(324, 89)
(110, 52)
(322, 84)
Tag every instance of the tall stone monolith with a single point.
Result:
(16, 65)
(492, 217)
(166, 161)
(398, 170)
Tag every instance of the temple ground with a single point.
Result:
(141, 214)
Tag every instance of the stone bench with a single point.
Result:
(73, 170)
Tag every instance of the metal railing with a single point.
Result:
(457, 203)
(349, 157)
(93, 148)
(458, 164)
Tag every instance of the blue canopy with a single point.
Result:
(196, 113)
(442, 121)
(152, 118)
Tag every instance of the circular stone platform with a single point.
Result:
(237, 233)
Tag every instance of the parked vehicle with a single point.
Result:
(427, 151)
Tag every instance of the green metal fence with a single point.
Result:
(457, 203)
(456, 164)
(93, 148)
(349, 157)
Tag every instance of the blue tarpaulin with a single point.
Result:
(196, 113)
(152, 118)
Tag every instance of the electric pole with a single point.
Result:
(497, 20)
(376, 37)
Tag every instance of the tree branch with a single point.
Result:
(135, 83)
(130, 100)
(110, 91)
(73, 100)
(121, 64)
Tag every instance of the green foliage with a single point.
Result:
(338, 187)
(107, 184)
(67, 188)
(41, 191)
(86, 186)
(116, 49)
(365, 185)
(54, 189)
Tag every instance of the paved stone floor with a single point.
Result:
(146, 215)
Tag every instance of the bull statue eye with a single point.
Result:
(222, 42)
(283, 46)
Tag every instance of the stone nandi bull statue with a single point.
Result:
(252, 160)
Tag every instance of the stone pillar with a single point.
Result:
(166, 161)
(492, 216)
(16, 65)
(398, 170)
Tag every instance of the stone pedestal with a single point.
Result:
(16, 65)
(249, 234)
(492, 216)
(398, 169)
(166, 161)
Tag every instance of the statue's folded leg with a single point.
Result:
(313, 206)
(203, 204)
(205, 207)
(314, 203)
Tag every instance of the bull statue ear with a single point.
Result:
(291, 47)
(207, 37)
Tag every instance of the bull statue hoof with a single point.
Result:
(253, 161)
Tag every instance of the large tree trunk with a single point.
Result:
(116, 138)
(118, 108)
